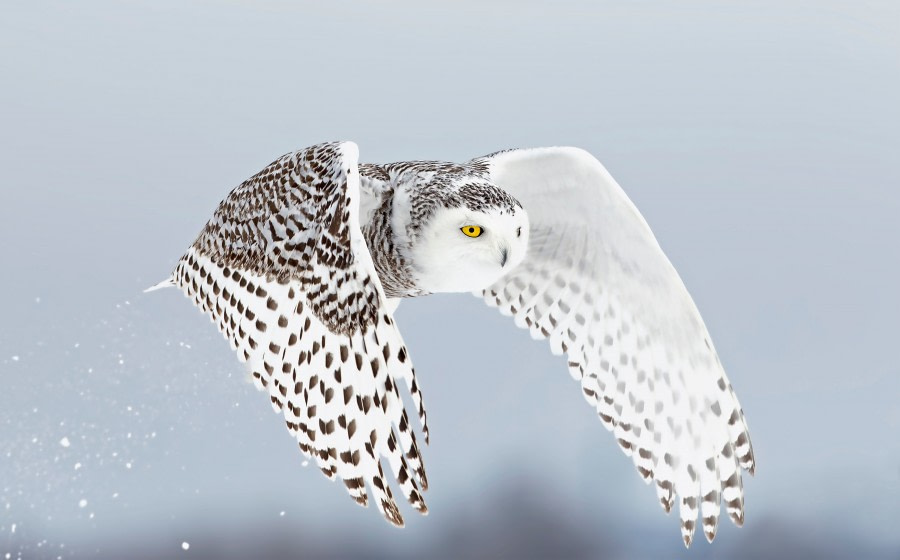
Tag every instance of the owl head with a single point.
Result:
(465, 235)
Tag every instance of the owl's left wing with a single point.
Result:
(283, 270)
(596, 284)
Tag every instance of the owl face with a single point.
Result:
(464, 250)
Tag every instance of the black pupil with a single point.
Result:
(471, 230)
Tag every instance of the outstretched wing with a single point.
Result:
(596, 284)
(283, 270)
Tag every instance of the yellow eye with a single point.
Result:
(472, 231)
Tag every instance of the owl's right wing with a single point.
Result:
(283, 270)
(596, 284)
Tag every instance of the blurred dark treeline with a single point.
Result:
(514, 524)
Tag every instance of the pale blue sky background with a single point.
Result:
(759, 139)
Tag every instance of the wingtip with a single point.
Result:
(687, 532)
(392, 514)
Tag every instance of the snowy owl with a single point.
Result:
(302, 266)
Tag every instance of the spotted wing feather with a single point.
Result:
(283, 270)
(596, 284)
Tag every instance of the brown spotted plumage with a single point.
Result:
(284, 272)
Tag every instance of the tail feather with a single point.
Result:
(168, 282)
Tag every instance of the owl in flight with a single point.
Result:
(303, 265)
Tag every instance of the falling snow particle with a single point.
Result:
(185, 545)
(15, 358)
(281, 514)
(77, 466)
(304, 463)
(82, 503)
(65, 442)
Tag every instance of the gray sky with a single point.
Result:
(759, 139)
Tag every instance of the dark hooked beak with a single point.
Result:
(503, 254)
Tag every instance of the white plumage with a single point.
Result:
(598, 286)
(302, 266)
